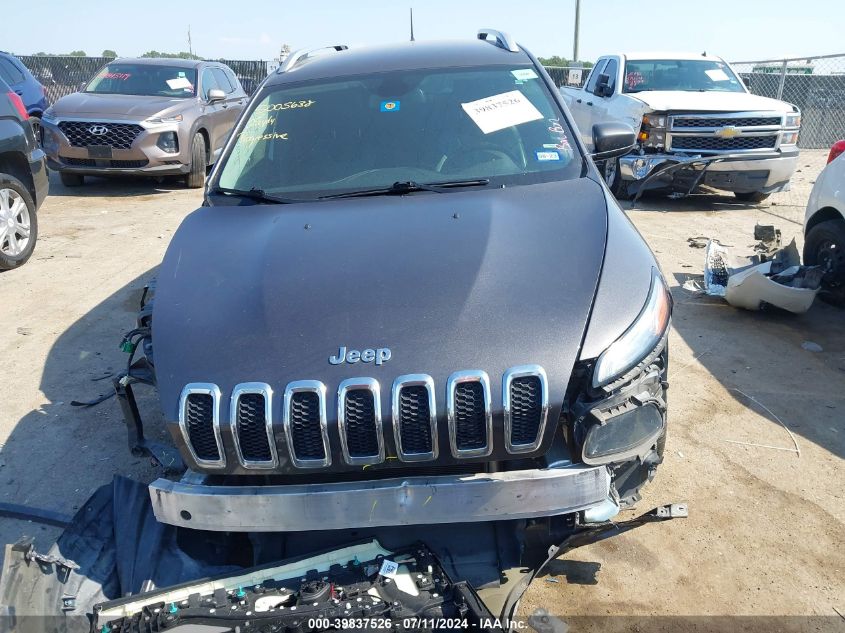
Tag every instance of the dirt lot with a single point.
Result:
(765, 534)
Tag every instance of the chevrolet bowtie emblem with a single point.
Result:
(728, 132)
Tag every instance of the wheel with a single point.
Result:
(824, 245)
(71, 180)
(613, 179)
(751, 196)
(196, 177)
(18, 224)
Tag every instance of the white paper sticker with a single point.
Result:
(547, 156)
(179, 82)
(388, 568)
(717, 74)
(500, 111)
(524, 73)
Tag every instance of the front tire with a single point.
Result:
(751, 196)
(824, 245)
(196, 177)
(71, 180)
(18, 223)
(613, 179)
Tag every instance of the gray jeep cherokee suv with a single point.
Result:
(407, 299)
(154, 117)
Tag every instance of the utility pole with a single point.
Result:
(412, 24)
(190, 50)
(577, 28)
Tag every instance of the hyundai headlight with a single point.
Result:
(640, 339)
(166, 119)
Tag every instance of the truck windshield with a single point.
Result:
(493, 126)
(698, 75)
(144, 79)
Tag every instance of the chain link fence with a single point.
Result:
(815, 84)
(63, 75)
(573, 76)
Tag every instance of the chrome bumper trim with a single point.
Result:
(517, 494)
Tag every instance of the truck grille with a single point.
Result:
(116, 135)
(200, 424)
(713, 143)
(711, 122)
(252, 425)
(469, 413)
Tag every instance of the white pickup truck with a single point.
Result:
(696, 124)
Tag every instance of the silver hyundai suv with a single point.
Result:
(156, 117)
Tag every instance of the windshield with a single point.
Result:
(496, 124)
(144, 79)
(699, 75)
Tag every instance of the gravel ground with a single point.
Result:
(765, 535)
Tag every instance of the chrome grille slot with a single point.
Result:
(252, 425)
(415, 418)
(359, 421)
(305, 424)
(199, 421)
(526, 407)
(469, 411)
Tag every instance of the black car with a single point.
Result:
(408, 298)
(23, 181)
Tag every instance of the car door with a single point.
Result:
(234, 103)
(13, 76)
(216, 115)
(605, 107)
(582, 111)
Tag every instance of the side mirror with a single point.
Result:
(603, 88)
(215, 95)
(612, 139)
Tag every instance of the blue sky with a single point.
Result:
(256, 29)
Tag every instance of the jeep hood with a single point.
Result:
(673, 100)
(129, 107)
(482, 279)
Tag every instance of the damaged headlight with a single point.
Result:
(653, 130)
(640, 338)
(792, 120)
(621, 436)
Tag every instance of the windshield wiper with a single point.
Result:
(256, 194)
(409, 186)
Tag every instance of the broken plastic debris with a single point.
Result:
(753, 288)
(811, 347)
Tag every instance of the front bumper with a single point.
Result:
(743, 172)
(518, 494)
(144, 157)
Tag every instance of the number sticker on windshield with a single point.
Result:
(498, 112)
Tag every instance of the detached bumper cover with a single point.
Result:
(768, 172)
(390, 502)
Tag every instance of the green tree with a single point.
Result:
(77, 54)
(556, 60)
(109, 53)
(181, 55)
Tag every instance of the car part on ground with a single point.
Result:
(697, 125)
(155, 117)
(114, 567)
(23, 181)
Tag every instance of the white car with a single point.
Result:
(824, 222)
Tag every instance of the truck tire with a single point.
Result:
(613, 179)
(196, 177)
(751, 196)
(18, 224)
(71, 180)
(824, 245)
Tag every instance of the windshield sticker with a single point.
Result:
(524, 73)
(180, 82)
(717, 74)
(120, 76)
(501, 111)
(547, 155)
(390, 106)
(634, 79)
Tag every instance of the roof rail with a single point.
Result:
(298, 56)
(503, 40)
